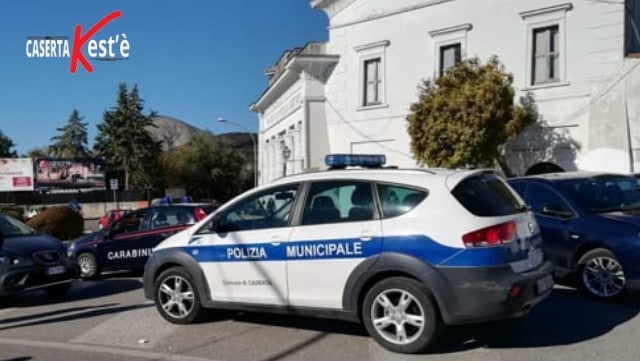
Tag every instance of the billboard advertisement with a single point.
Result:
(16, 174)
(70, 174)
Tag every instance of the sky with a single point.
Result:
(192, 60)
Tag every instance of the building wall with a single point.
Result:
(581, 113)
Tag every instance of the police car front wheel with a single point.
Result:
(400, 315)
(88, 266)
(176, 297)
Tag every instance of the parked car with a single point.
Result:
(128, 242)
(590, 227)
(29, 260)
(110, 217)
(404, 251)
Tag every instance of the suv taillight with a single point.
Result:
(199, 214)
(491, 236)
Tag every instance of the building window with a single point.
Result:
(449, 47)
(372, 82)
(371, 64)
(546, 55)
(449, 56)
(546, 46)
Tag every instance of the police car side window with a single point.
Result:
(269, 209)
(131, 222)
(334, 202)
(398, 200)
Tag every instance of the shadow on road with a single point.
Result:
(566, 317)
(80, 290)
(64, 315)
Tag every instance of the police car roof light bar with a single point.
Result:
(341, 161)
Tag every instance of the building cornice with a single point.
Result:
(383, 14)
(543, 11)
(331, 7)
(451, 29)
(377, 44)
(318, 66)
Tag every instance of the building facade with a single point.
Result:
(578, 59)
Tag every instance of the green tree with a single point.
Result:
(464, 118)
(128, 148)
(35, 153)
(5, 146)
(207, 168)
(72, 140)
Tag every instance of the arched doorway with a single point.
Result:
(544, 167)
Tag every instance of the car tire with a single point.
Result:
(600, 275)
(58, 290)
(176, 297)
(88, 265)
(400, 314)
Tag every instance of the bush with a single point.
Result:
(13, 211)
(58, 221)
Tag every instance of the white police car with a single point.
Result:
(403, 251)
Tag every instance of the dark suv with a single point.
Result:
(29, 260)
(128, 242)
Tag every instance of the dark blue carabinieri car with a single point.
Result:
(128, 242)
(590, 225)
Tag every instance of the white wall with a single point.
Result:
(591, 47)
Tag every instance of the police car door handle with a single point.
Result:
(574, 236)
(364, 236)
(275, 241)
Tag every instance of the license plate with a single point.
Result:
(56, 270)
(544, 284)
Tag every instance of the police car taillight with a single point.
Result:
(491, 236)
(199, 214)
(339, 161)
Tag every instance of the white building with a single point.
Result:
(352, 95)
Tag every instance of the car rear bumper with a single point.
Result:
(487, 294)
(14, 280)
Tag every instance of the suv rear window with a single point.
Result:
(487, 195)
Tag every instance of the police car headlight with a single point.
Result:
(7, 259)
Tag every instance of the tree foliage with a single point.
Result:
(464, 118)
(5, 146)
(35, 153)
(123, 140)
(72, 140)
(207, 168)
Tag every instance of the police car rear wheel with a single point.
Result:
(176, 297)
(400, 315)
(88, 266)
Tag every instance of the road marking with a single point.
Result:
(102, 349)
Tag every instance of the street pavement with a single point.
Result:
(110, 320)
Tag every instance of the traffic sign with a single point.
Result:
(113, 183)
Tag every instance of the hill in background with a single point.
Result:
(174, 133)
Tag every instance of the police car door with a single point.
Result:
(338, 229)
(243, 254)
(123, 247)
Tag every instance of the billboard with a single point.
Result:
(70, 174)
(16, 174)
